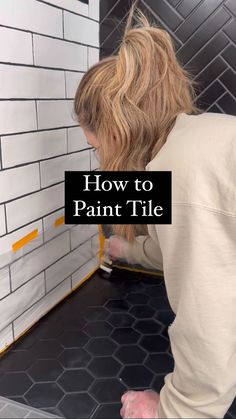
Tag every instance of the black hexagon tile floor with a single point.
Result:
(106, 337)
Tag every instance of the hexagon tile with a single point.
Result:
(106, 337)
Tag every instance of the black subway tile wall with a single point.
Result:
(204, 36)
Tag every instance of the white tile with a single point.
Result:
(30, 208)
(15, 47)
(19, 181)
(78, 161)
(94, 9)
(55, 113)
(31, 316)
(50, 230)
(17, 116)
(24, 148)
(67, 265)
(88, 268)
(80, 29)
(6, 337)
(82, 232)
(93, 56)
(76, 139)
(72, 82)
(52, 171)
(95, 246)
(73, 5)
(94, 162)
(55, 53)
(6, 242)
(31, 15)
(2, 221)
(17, 302)
(4, 282)
(28, 82)
(33, 263)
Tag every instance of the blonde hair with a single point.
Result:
(134, 96)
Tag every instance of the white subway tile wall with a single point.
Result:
(46, 47)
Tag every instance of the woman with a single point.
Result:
(137, 109)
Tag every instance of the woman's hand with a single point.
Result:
(116, 247)
(140, 405)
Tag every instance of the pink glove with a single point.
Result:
(116, 247)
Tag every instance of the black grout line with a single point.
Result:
(68, 10)
(63, 29)
(49, 36)
(36, 114)
(42, 160)
(32, 40)
(15, 64)
(5, 212)
(39, 130)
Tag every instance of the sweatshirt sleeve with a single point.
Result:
(145, 250)
(199, 256)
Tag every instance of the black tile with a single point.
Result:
(75, 380)
(230, 30)
(149, 280)
(137, 298)
(232, 408)
(124, 335)
(156, 291)
(158, 383)
(136, 376)
(147, 327)
(26, 341)
(14, 384)
(49, 330)
(228, 104)
(108, 411)
(130, 354)
(165, 316)
(210, 95)
(16, 361)
(174, 2)
(230, 55)
(96, 313)
(202, 35)
(166, 13)
(142, 311)
(214, 108)
(98, 329)
(44, 395)
(45, 370)
(108, 390)
(211, 72)
(121, 319)
(73, 339)
(74, 358)
(186, 7)
(200, 15)
(117, 306)
(231, 5)
(105, 7)
(104, 367)
(160, 363)
(160, 303)
(46, 349)
(77, 405)
(101, 346)
(154, 343)
(229, 80)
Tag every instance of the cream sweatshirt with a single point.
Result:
(197, 254)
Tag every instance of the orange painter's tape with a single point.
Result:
(22, 242)
(59, 221)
